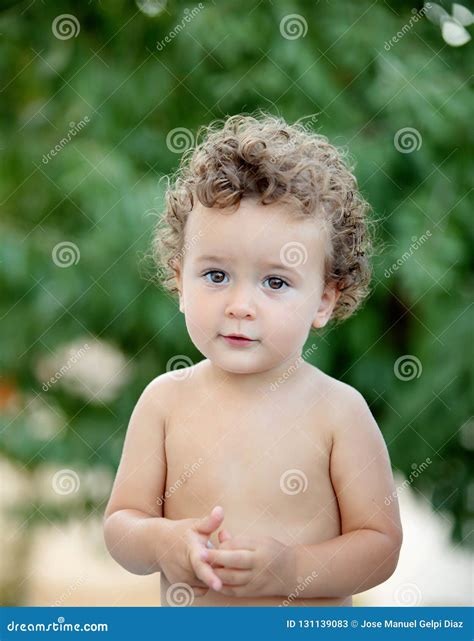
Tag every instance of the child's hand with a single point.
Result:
(223, 535)
(183, 562)
(250, 567)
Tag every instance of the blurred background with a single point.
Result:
(98, 102)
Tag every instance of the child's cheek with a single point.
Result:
(200, 320)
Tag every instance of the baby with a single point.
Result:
(253, 478)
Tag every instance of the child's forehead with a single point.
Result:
(252, 229)
(268, 235)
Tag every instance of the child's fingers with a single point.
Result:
(199, 592)
(241, 559)
(203, 570)
(233, 577)
(211, 522)
(199, 584)
(224, 535)
(239, 543)
(206, 573)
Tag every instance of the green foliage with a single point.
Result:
(101, 190)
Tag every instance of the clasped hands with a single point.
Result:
(247, 566)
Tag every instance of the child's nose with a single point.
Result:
(241, 304)
(240, 311)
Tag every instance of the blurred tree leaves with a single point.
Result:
(102, 190)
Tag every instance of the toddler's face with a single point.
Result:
(256, 271)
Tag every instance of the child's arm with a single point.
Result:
(133, 533)
(136, 533)
(366, 553)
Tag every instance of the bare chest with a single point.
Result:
(266, 463)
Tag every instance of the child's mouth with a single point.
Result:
(238, 340)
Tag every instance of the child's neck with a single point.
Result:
(284, 374)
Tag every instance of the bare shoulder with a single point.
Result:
(331, 388)
(167, 388)
(353, 424)
(341, 403)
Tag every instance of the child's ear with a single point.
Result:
(328, 301)
(179, 284)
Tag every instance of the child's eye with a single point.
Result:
(276, 281)
(211, 273)
(217, 278)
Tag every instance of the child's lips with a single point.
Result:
(238, 340)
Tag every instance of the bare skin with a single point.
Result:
(246, 465)
(238, 467)
(281, 467)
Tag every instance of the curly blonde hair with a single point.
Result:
(264, 157)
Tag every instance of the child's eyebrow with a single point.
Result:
(268, 264)
(208, 258)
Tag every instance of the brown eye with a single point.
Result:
(212, 274)
(278, 282)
